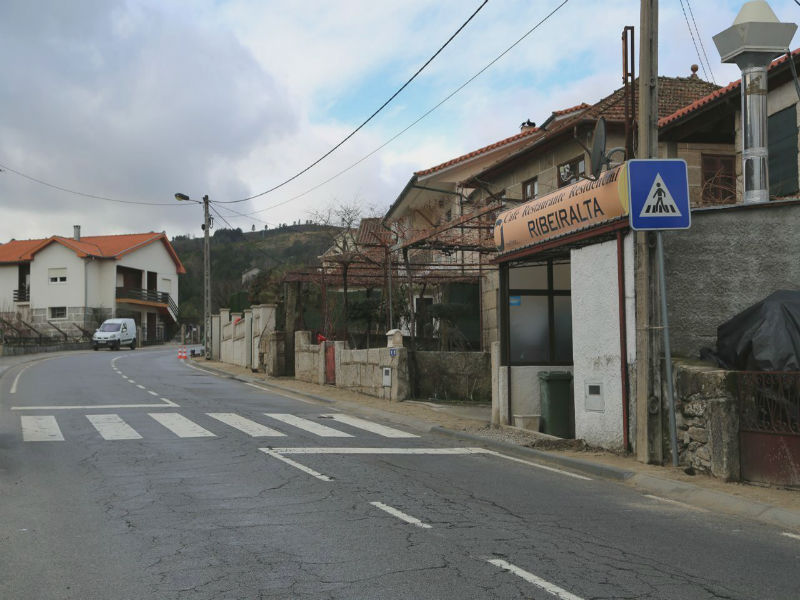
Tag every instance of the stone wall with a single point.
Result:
(465, 376)
(362, 371)
(236, 337)
(707, 420)
(730, 259)
(309, 359)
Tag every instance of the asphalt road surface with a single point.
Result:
(131, 475)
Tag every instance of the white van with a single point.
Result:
(115, 333)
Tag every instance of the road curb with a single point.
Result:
(574, 464)
(255, 380)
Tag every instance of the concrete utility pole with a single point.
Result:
(648, 371)
(206, 281)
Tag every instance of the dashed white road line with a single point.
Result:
(791, 535)
(548, 587)
(296, 465)
(400, 515)
(98, 406)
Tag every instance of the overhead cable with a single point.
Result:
(357, 129)
(428, 112)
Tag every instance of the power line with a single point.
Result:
(211, 206)
(700, 39)
(357, 129)
(84, 194)
(402, 131)
(691, 34)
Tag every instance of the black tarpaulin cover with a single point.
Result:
(764, 337)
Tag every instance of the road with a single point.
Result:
(131, 474)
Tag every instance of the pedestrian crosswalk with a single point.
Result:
(113, 427)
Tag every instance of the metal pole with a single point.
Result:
(206, 281)
(673, 431)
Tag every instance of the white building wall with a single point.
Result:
(596, 343)
(45, 294)
(526, 398)
(154, 257)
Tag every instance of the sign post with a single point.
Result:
(659, 197)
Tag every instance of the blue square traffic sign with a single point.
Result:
(659, 194)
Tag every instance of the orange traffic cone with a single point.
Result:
(182, 353)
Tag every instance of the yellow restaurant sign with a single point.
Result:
(579, 206)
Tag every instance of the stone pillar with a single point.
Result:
(338, 348)
(495, 384)
(301, 339)
(216, 337)
(291, 320)
(247, 351)
(394, 338)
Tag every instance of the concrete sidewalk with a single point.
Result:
(470, 423)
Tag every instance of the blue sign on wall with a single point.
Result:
(659, 194)
(515, 300)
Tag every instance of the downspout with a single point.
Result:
(623, 337)
(85, 290)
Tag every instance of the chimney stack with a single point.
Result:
(76, 232)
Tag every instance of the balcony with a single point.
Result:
(22, 295)
(148, 298)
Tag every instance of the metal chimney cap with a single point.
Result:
(757, 11)
(755, 38)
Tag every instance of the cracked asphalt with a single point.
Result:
(213, 517)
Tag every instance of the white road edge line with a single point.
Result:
(400, 515)
(348, 450)
(538, 466)
(675, 502)
(548, 587)
(794, 536)
(296, 465)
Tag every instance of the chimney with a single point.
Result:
(76, 233)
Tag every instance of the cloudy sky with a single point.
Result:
(136, 100)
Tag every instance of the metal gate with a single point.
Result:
(330, 363)
(769, 427)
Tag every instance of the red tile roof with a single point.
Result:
(523, 134)
(99, 246)
(715, 95)
(572, 109)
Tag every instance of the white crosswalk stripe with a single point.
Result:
(180, 425)
(382, 430)
(112, 427)
(307, 425)
(41, 429)
(249, 427)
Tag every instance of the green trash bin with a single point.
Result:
(555, 392)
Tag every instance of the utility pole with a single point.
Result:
(648, 368)
(206, 280)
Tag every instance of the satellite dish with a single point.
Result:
(597, 156)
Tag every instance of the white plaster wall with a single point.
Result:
(595, 342)
(101, 276)
(154, 257)
(45, 294)
(9, 279)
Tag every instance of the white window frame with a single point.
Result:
(57, 276)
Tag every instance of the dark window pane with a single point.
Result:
(561, 276)
(528, 278)
(782, 140)
(562, 313)
(528, 329)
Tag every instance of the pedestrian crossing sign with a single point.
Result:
(659, 194)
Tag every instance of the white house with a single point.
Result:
(77, 282)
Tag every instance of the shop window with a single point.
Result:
(571, 171)
(782, 140)
(58, 312)
(539, 325)
(719, 179)
(530, 189)
(57, 275)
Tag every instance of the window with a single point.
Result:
(58, 312)
(530, 189)
(540, 314)
(571, 171)
(57, 275)
(782, 140)
(719, 179)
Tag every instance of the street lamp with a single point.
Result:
(754, 39)
(206, 273)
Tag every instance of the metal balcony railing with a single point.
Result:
(149, 296)
(22, 295)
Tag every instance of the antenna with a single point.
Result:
(597, 156)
